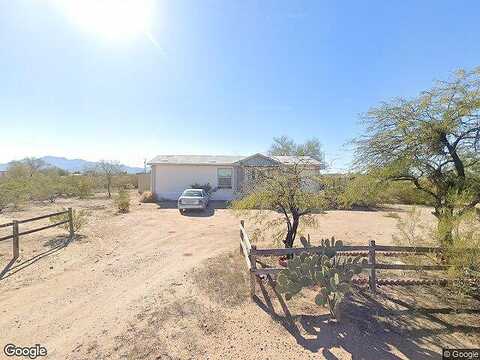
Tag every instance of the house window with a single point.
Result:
(225, 178)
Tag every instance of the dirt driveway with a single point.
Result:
(94, 287)
(130, 272)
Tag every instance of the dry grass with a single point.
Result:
(224, 279)
(159, 331)
(392, 215)
(147, 197)
(179, 330)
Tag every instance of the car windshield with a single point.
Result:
(196, 193)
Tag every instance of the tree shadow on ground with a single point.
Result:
(360, 332)
(54, 245)
(61, 241)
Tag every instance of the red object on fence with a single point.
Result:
(283, 261)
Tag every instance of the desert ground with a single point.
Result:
(153, 284)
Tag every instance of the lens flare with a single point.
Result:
(115, 20)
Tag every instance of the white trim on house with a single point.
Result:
(257, 156)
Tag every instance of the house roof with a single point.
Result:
(290, 160)
(228, 160)
(195, 159)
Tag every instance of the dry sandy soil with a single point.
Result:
(153, 284)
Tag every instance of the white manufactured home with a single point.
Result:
(172, 174)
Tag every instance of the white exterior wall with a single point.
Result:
(170, 180)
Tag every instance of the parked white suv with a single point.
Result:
(193, 199)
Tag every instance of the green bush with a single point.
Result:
(82, 186)
(464, 255)
(85, 187)
(80, 218)
(361, 191)
(5, 200)
(125, 181)
(14, 193)
(122, 201)
(46, 187)
(350, 191)
(401, 192)
(206, 187)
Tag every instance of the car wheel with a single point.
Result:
(182, 211)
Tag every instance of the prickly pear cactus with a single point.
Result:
(326, 270)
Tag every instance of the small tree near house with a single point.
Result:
(290, 191)
(284, 146)
(108, 169)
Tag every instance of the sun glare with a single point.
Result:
(112, 19)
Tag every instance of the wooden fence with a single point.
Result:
(16, 233)
(251, 254)
(144, 182)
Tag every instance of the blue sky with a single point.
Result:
(217, 77)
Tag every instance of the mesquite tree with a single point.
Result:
(284, 145)
(432, 141)
(108, 169)
(292, 190)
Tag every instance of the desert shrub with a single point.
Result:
(18, 170)
(79, 217)
(14, 193)
(327, 270)
(350, 191)
(82, 186)
(85, 187)
(122, 201)
(361, 191)
(206, 187)
(46, 187)
(464, 255)
(334, 187)
(37, 182)
(401, 192)
(147, 197)
(4, 199)
(44, 184)
(125, 181)
(67, 186)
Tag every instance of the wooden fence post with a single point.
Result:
(70, 223)
(16, 242)
(372, 277)
(242, 224)
(253, 275)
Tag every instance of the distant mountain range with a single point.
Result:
(73, 165)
